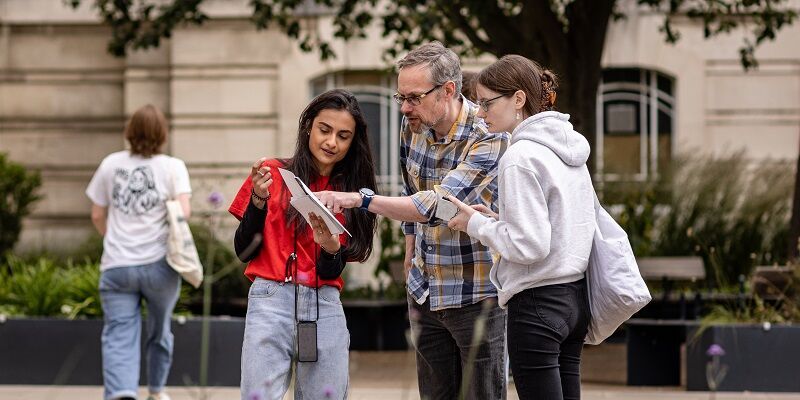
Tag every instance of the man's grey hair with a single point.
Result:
(442, 63)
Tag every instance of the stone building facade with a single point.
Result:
(233, 94)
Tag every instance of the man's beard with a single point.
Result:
(423, 127)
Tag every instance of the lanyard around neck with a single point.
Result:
(291, 276)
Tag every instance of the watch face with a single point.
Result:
(367, 192)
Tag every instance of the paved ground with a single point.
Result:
(590, 392)
(384, 376)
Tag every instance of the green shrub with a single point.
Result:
(392, 242)
(83, 294)
(46, 285)
(231, 285)
(34, 289)
(781, 306)
(91, 250)
(731, 213)
(18, 191)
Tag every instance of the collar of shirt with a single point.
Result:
(462, 127)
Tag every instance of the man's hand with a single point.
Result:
(338, 201)
(407, 261)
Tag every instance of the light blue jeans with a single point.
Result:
(122, 290)
(268, 350)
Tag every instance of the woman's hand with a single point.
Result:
(322, 235)
(485, 211)
(460, 220)
(261, 179)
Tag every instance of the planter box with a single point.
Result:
(654, 351)
(377, 324)
(44, 351)
(757, 359)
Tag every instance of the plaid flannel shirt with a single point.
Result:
(449, 267)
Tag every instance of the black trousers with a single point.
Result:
(546, 329)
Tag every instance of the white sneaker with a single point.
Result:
(160, 396)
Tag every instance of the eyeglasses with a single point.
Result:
(414, 100)
(484, 104)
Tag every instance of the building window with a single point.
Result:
(635, 113)
(374, 92)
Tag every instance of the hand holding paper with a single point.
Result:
(461, 219)
(305, 202)
(323, 236)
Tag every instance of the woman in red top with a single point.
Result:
(295, 267)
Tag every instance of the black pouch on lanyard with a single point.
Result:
(306, 330)
(307, 341)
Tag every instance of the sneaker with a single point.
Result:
(160, 396)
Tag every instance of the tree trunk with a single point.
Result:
(578, 98)
(575, 56)
(794, 227)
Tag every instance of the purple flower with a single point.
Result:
(328, 391)
(256, 394)
(715, 350)
(216, 199)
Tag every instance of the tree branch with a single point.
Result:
(546, 33)
(499, 28)
(453, 9)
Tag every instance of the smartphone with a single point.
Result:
(445, 209)
(307, 341)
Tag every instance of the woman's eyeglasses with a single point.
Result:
(414, 100)
(484, 104)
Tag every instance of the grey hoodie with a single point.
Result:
(547, 220)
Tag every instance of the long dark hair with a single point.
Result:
(355, 171)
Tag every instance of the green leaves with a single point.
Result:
(762, 19)
(698, 208)
(45, 288)
(18, 188)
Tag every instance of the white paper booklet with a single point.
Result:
(305, 202)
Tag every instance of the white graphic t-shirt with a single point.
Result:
(135, 190)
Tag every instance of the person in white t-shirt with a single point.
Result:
(128, 193)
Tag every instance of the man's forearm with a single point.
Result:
(397, 208)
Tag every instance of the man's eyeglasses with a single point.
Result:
(484, 104)
(414, 100)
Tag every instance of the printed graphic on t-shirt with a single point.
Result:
(134, 192)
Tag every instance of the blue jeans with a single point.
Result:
(443, 340)
(121, 291)
(269, 346)
(546, 329)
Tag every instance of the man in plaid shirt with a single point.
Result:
(445, 150)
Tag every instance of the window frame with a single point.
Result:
(649, 97)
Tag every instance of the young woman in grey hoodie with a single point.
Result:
(544, 231)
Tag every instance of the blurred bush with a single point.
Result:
(727, 210)
(18, 187)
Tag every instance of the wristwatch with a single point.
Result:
(366, 197)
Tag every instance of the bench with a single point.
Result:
(674, 268)
(671, 269)
(654, 342)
